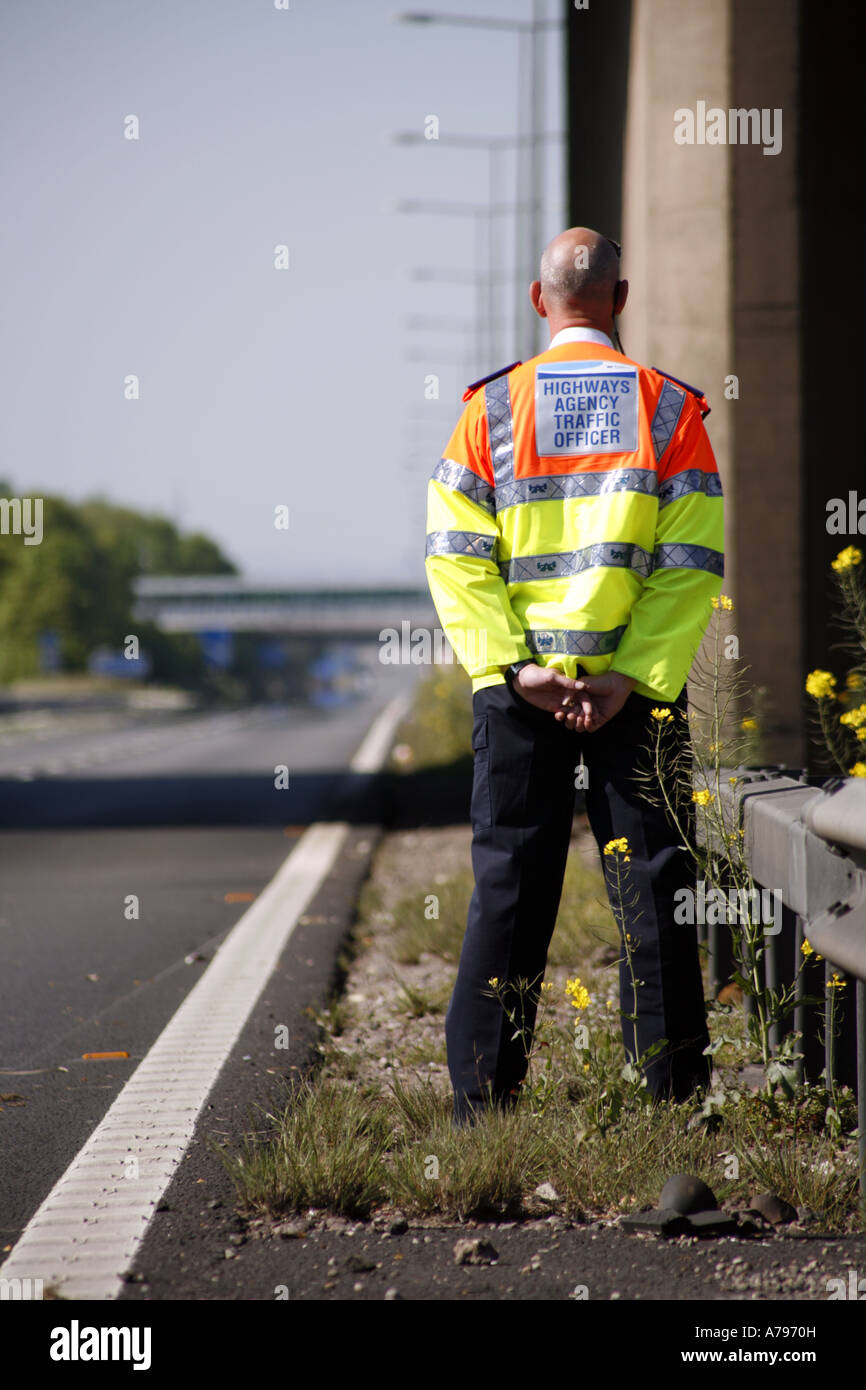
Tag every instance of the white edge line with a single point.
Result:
(377, 742)
(86, 1232)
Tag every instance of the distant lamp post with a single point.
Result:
(496, 146)
(483, 213)
(530, 176)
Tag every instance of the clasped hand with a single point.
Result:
(584, 705)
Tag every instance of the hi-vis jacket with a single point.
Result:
(577, 518)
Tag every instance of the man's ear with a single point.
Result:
(620, 295)
(537, 301)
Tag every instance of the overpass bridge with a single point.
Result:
(229, 603)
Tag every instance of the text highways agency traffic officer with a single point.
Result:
(574, 545)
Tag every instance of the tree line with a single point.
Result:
(77, 583)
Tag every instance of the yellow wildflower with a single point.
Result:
(807, 948)
(858, 770)
(847, 558)
(704, 797)
(861, 733)
(723, 602)
(664, 716)
(854, 718)
(619, 846)
(853, 681)
(837, 982)
(821, 685)
(493, 981)
(577, 993)
(749, 725)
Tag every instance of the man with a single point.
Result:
(575, 533)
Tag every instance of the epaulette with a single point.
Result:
(695, 390)
(474, 385)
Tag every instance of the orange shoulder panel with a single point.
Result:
(469, 443)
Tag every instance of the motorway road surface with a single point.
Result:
(177, 820)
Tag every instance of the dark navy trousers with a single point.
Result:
(522, 810)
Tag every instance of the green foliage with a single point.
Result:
(78, 582)
(439, 729)
(441, 935)
(586, 1125)
(177, 657)
(841, 715)
(327, 1152)
(145, 543)
(68, 583)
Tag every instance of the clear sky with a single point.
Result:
(259, 387)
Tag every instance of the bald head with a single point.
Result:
(580, 284)
(579, 271)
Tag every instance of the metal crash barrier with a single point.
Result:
(808, 844)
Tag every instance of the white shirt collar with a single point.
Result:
(580, 335)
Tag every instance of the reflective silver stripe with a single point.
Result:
(667, 414)
(459, 478)
(497, 400)
(560, 565)
(461, 543)
(677, 555)
(572, 642)
(690, 480)
(559, 485)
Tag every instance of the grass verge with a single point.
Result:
(372, 1130)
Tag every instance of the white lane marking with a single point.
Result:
(377, 742)
(86, 1232)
